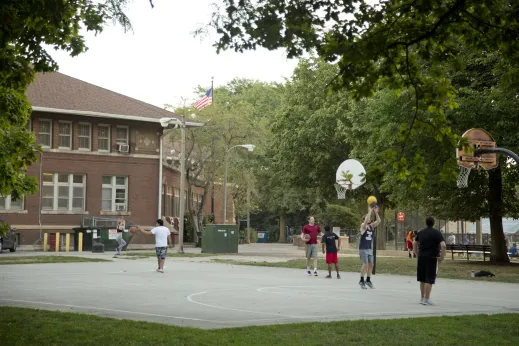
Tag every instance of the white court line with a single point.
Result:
(112, 310)
(390, 290)
(190, 299)
(77, 286)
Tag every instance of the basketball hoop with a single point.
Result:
(341, 190)
(468, 159)
(463, 177)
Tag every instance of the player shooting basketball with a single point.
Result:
(367, 230)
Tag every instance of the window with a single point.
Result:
(169, 200)
(45, 133)
(103, 137)
(115, 193)
(84, 135)
(176, 201)
(200, 197)
(29, 125)
(63, 192)
(122, 135)
(8, 204)
(65, 135)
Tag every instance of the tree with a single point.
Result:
(379, 43)
(25, 27)
(226, 123)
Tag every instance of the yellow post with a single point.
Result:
(80, 242)
(57, 242)
(45, 241)
(67, 242)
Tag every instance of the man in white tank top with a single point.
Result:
(162, 239)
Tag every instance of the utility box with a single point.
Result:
(220, 239)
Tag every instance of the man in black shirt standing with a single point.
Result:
(429, 246)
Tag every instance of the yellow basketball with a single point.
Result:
(371, 200)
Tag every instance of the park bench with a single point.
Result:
(468, 249)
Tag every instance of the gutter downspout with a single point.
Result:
(41, 185)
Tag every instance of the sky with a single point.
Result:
(160, 62)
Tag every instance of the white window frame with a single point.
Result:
(70, 183)
(79, 136)
(109, 138)
(127, 140)
(113, 185)
(7, 207)
(60, 135)
(45, 133)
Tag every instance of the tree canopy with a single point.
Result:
(26, 27)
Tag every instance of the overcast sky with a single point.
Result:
(161, 62)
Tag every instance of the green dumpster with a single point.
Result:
(220, 239)
(87, 238)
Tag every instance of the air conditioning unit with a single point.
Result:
(123, 148)
(120, 207)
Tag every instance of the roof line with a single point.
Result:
(108, 115)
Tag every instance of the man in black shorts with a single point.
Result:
(429, 246)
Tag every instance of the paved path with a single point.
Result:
(210, 295)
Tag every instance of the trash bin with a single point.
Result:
(220, 239)
(262, 237)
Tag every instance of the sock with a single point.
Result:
(362, 279)
(315, 269)
(368, 279)
(307, 268)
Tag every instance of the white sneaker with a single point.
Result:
(308, 272)
(427, 302)
(422, 301)
(315, 273)
(161, 270)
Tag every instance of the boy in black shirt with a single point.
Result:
(328, 242)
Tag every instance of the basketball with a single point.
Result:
(372, 201)
(305, 237)
(133, 230)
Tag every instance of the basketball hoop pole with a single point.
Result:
(510, 153)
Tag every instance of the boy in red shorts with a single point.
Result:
(330, 249)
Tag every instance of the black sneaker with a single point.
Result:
(369, 284)
(338, 276)
(363, 285)
(328, 277)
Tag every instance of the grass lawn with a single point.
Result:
(39, 327)
(405, 266)
(46, 259)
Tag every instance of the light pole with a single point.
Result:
(249, 147)
(165, 122)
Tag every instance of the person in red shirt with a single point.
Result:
(313, 231)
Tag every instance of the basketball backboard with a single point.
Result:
(350, 174)
(477, 139)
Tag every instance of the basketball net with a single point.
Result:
(463, 177)
(341, 190)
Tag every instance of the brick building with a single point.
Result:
(100, 158)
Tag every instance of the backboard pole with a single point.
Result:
(510, 153)
(375, 251)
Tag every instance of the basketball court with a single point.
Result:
(211, 295)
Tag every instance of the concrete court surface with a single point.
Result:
(211, 295)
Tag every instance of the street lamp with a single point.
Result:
(249, 147)
(165, 122)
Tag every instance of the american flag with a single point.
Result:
(204, 101)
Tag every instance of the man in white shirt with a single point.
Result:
(162, 239)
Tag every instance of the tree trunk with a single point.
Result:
(282, 235)
(495, 201)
